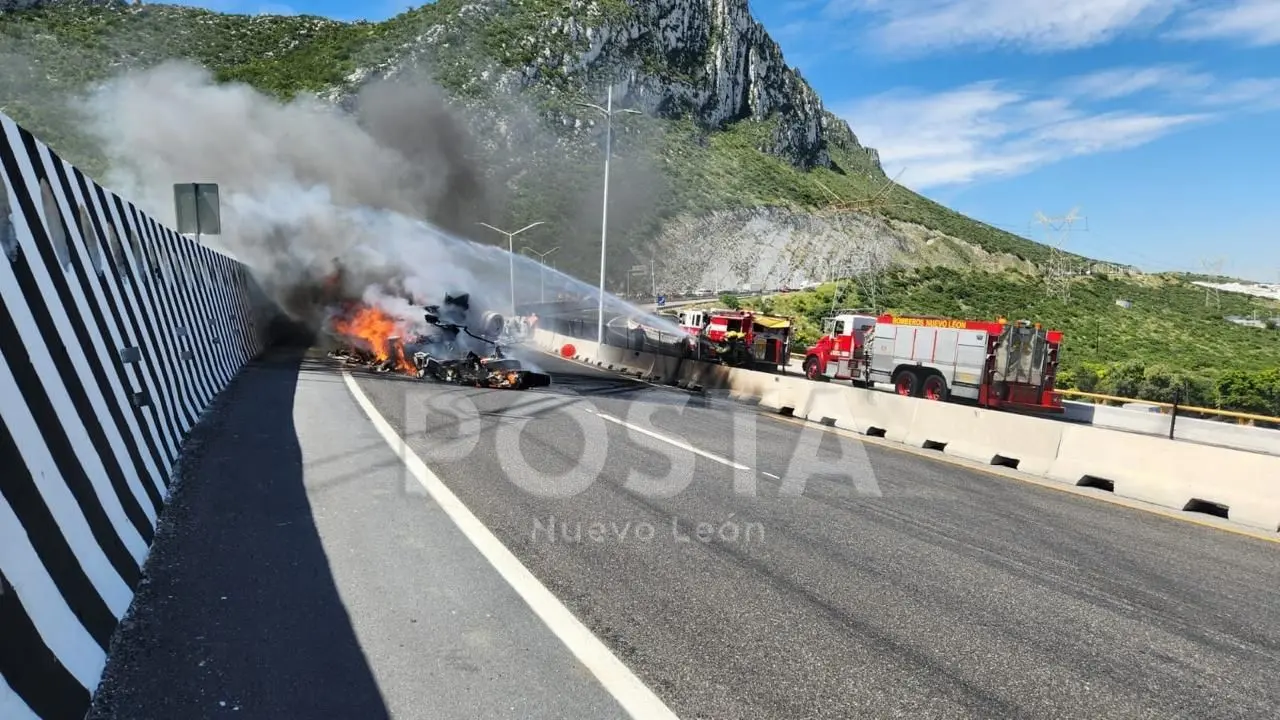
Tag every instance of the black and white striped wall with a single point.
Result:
(116, 333)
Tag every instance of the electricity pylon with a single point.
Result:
(1057, 234)
(1213, 271)
(866, 261)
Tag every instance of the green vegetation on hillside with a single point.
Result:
(1168, 337)
(70, 46)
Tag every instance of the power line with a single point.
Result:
(1057, 233)
(861, 261)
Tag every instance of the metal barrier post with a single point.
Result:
(1173, 412)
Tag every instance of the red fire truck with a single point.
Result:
(997, 363)
(741, 337)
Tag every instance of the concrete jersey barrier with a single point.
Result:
(1207, 432)
(1169, 473)
(116, 334)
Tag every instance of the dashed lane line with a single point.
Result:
(669, 440)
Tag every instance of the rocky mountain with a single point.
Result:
(728, 138)
(708, 60)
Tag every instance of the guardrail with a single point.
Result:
(1174, 408)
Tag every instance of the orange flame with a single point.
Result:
(372, 329)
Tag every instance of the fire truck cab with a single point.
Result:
(693, 321)
(839, 353)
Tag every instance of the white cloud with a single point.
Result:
(984, 130)
(1178, 83)
(1249, 93)
(1255, 22)
(1122, 82)
(1037, 25)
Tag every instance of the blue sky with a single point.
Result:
(1158, 119)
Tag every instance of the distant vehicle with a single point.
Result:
(997, 363)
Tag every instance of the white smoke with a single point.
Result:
(386, 187)
(304, 183)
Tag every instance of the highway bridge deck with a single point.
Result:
(305, 576)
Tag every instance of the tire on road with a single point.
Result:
(906, 382)
(811, 370)
(934, 387)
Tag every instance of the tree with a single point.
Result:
(1124, 379)
(1256, 392)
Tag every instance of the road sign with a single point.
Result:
(197, 208)
(662, 300)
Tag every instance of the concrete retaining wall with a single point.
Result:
(116, 334)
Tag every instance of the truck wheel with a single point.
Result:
(907, 384)
(811, 368)
(935, 388)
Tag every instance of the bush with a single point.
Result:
(1251, 392)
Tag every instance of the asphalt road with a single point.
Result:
(300, 572)
(904, 588)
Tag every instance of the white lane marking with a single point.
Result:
(770, 475)
(670, 441)
(630, 692)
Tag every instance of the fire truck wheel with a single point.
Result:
(811, 368)
(935, 388)
(907, 383)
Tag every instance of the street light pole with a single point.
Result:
(542, 259)
(511, 256)
(608, 112)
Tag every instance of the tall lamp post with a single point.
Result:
(511, 256)
(542, 258)
(608, 112)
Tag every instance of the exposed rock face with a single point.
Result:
(719, 65)
(776, 247)
(772, 248)
(708, 60)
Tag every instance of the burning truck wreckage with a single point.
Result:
(451, 342)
